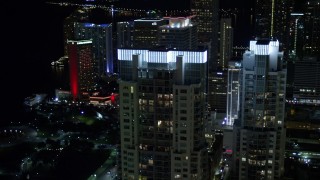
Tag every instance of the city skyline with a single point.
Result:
(34, 38)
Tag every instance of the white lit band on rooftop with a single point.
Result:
(296, 14)
(79, 41)
(264, 49)
(163, 56)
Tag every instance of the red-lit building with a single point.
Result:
(105, 100)
(81, 67)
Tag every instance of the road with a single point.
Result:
(107, 170)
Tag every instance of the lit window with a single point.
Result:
(177, 176)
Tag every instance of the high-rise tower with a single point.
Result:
(170, 32)
(272, 20)
(145, 32)
(226, 43)
(101, 36)
(296, 36)
(259, 133)
(179, 33)
(311, 44)
(206, 17)
(306, 87)
(162, 114)
(124, 34)
(80, 67)
(79, 15)
(233, 92)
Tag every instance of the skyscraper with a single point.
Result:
(311, 45)
(101, 36)
(306, 87)
(272, 20)
(296, 36)
(233, 92)
(80, 67)
(124, 34)
(180, 33)
(79, 15)
(162, 114)
(217, 96)
(304, 53)
(169, 32)
(259, 133)
(226, 43)
(206, 17)
(145, 32)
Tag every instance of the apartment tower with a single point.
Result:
(162, 114)
(259, 132)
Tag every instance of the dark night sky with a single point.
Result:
(29, 36)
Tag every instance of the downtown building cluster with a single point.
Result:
(176, 73)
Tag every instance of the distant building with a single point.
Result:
(168, 32)
(163, 113)
(272, 18)
(296, 36)
(124, 34)
(304, 30)
(311, 11)
(217, 77)
(233, 93)
(217, 96)
(259, 132)
(62, 95)
(238, 51)
(180, 33)
(81, 67)
(145, 32)
(206, 14)
(304, 54)
(306, 86)
(101, 36)
(104, 100)
(226, 43)
(207, 19)
(79, 15)
(35, 99)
